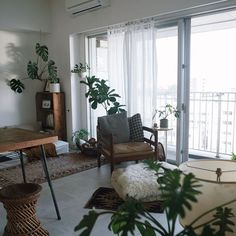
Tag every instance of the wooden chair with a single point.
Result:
(129, 151)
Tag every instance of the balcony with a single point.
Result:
(212, 124)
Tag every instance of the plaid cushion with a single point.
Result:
(136, 128)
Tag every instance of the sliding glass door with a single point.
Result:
(213, 86)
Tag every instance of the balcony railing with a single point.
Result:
(212, 122)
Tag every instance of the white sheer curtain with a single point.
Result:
(132, 67)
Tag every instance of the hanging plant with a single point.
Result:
(42, 69)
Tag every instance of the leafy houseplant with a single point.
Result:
(99, 93)
(233, 157)
(80, 69)
(166, 112)
(79, 135)
(177, 193)
(41, 69)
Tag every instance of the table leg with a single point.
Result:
(22, 165)
(44, 163)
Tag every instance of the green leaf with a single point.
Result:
(42, 51)
(87, 223)
(16, 85)
(177, 192)
(222, 220)
(52, 71)
(32, 70)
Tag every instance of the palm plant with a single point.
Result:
(41, 69)
(178, 191)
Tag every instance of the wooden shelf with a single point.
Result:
(50, 110)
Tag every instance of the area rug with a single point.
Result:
(108, 199)
(58, 167)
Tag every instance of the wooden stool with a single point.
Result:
(20, 200)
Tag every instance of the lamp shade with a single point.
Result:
(218, 180)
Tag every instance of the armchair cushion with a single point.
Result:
(117, 125)
(132, 147)
(136, 128)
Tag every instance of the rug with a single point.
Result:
(108, 199)
(64, 165)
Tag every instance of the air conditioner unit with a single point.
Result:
(76, 7)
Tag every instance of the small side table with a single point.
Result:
(20, 200)
(165, 130)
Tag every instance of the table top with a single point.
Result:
(12, 139)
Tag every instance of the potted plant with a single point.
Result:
(41, 69)
(99, 93)
(81, 69)
(164, 113)
(80, 137)
(233, 157)
(178, 191)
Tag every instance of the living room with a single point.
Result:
(25, 23)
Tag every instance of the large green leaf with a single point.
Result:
(32, 70)
(52, 71)
(16, 85)
(87, 223)
(222, 220)
(178, 192)
(42, 51)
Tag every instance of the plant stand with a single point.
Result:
(20, 200)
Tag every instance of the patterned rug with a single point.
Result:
(58, 167)
(108, 199)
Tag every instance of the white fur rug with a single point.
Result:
(138, 182)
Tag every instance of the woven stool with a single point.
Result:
(20, 200)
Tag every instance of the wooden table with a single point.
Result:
(14, 139)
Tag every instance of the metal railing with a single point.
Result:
(212, 118)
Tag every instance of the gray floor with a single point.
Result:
(72, 193)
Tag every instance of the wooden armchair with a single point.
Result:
(131, 150)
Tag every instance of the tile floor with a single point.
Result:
(72, 193)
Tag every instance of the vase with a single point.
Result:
(54, 88)
(164, 123)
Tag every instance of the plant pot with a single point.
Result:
(164, 123)
(54, 88)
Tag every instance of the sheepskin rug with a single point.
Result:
(138, 182)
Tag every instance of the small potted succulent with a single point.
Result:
(166, 112)
(80, 137)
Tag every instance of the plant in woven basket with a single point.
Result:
(178, 191)
(41, 69)
(80, 137)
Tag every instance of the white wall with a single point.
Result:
(27, 15)
(63, 26)
(16, 49)
(18, 20)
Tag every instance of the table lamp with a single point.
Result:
(218, 180)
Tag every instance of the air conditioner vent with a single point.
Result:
(75, 7)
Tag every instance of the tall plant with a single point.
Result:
(41, 69)
(99, 93)
(177, 193)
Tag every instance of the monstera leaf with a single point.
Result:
(42, 51)
(16, 85)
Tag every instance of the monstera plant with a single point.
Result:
(178, 191)
(98, 92)
(41, 69)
